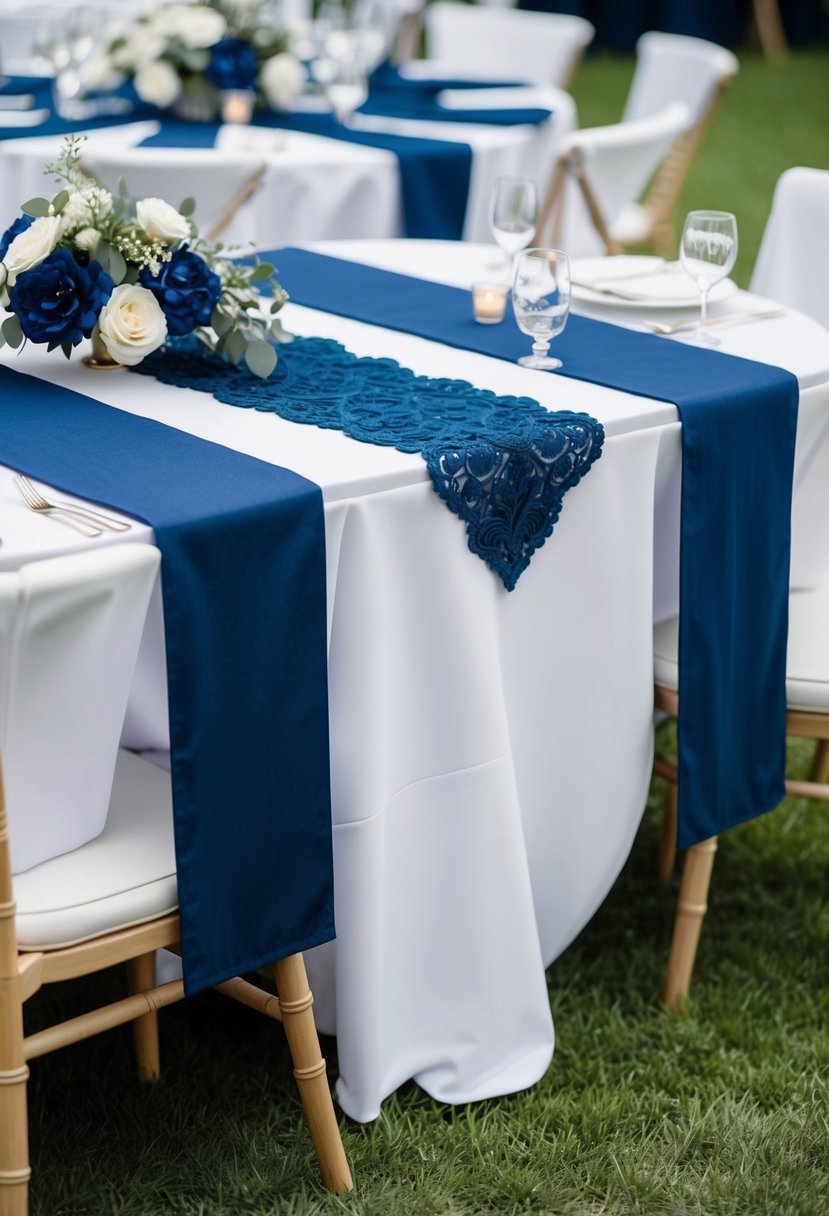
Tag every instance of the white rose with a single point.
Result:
(31, 247)
(157, 83)
(132, 324)
(160, 221)
(282, 78)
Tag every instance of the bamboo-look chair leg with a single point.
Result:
(690, 909)
(820, 764)
(145, 1029)
(295, 1002)
(667, 841)
(14, 1073)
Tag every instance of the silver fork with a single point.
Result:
(35, 502)
(38, 502)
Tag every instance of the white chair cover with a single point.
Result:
(70, 628)
(178, 173)
(793, 263)
(618, 162)
(542, 48)
(671, 67)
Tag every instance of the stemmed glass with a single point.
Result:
(708, 251)
(514, 214)
(346, 87)
(541, 302)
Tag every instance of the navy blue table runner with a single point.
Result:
(243, 582)
(739, 420)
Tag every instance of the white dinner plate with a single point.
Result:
(642, 282)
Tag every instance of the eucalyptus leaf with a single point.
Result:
(2, 340)
(36, 207)
(117, 265)
(131, 275)
(262, 270)
(235, 346)
(187, 207)
(221, 322)
(12, 331)
(60, 201)
(101, 254)
(260, 357)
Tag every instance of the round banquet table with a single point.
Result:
(491, 752)
(313, 188)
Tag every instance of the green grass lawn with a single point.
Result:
(723, 1111)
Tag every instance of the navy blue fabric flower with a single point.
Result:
(233, 64)
(187, 290)
(59, 301)
(20, 225)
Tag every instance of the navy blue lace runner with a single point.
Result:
(502, 464)
(243, 581)
(739, 420)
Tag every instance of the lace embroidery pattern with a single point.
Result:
(502, 464)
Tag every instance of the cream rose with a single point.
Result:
(160, 221)
(132, 324)
(282, 77)
(31, 247)
(87, 239)
(157, 83)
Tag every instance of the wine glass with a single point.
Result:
(708, 251)
(346, 87)
(541, 302)
(514, 214)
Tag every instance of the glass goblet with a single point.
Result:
(346, 88)
(708, 251)
(513, 215)
(541, 302)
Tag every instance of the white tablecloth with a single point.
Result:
(313, 188)
(490, 751)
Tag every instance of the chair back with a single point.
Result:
(70, 628)
(672, 67)
(793, 263)
(220, 179)
(542, 48)
(600, 171)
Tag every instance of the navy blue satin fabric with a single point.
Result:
(243, 581)
(739, 420)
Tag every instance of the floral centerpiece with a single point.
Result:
(89, 264)
(186, 55)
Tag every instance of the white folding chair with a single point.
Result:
(671, 68)
(541, 48)
(793, 262)
(598, 173)
(87, 859)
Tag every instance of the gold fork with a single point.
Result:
(36, 502)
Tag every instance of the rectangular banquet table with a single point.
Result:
(490, 752)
